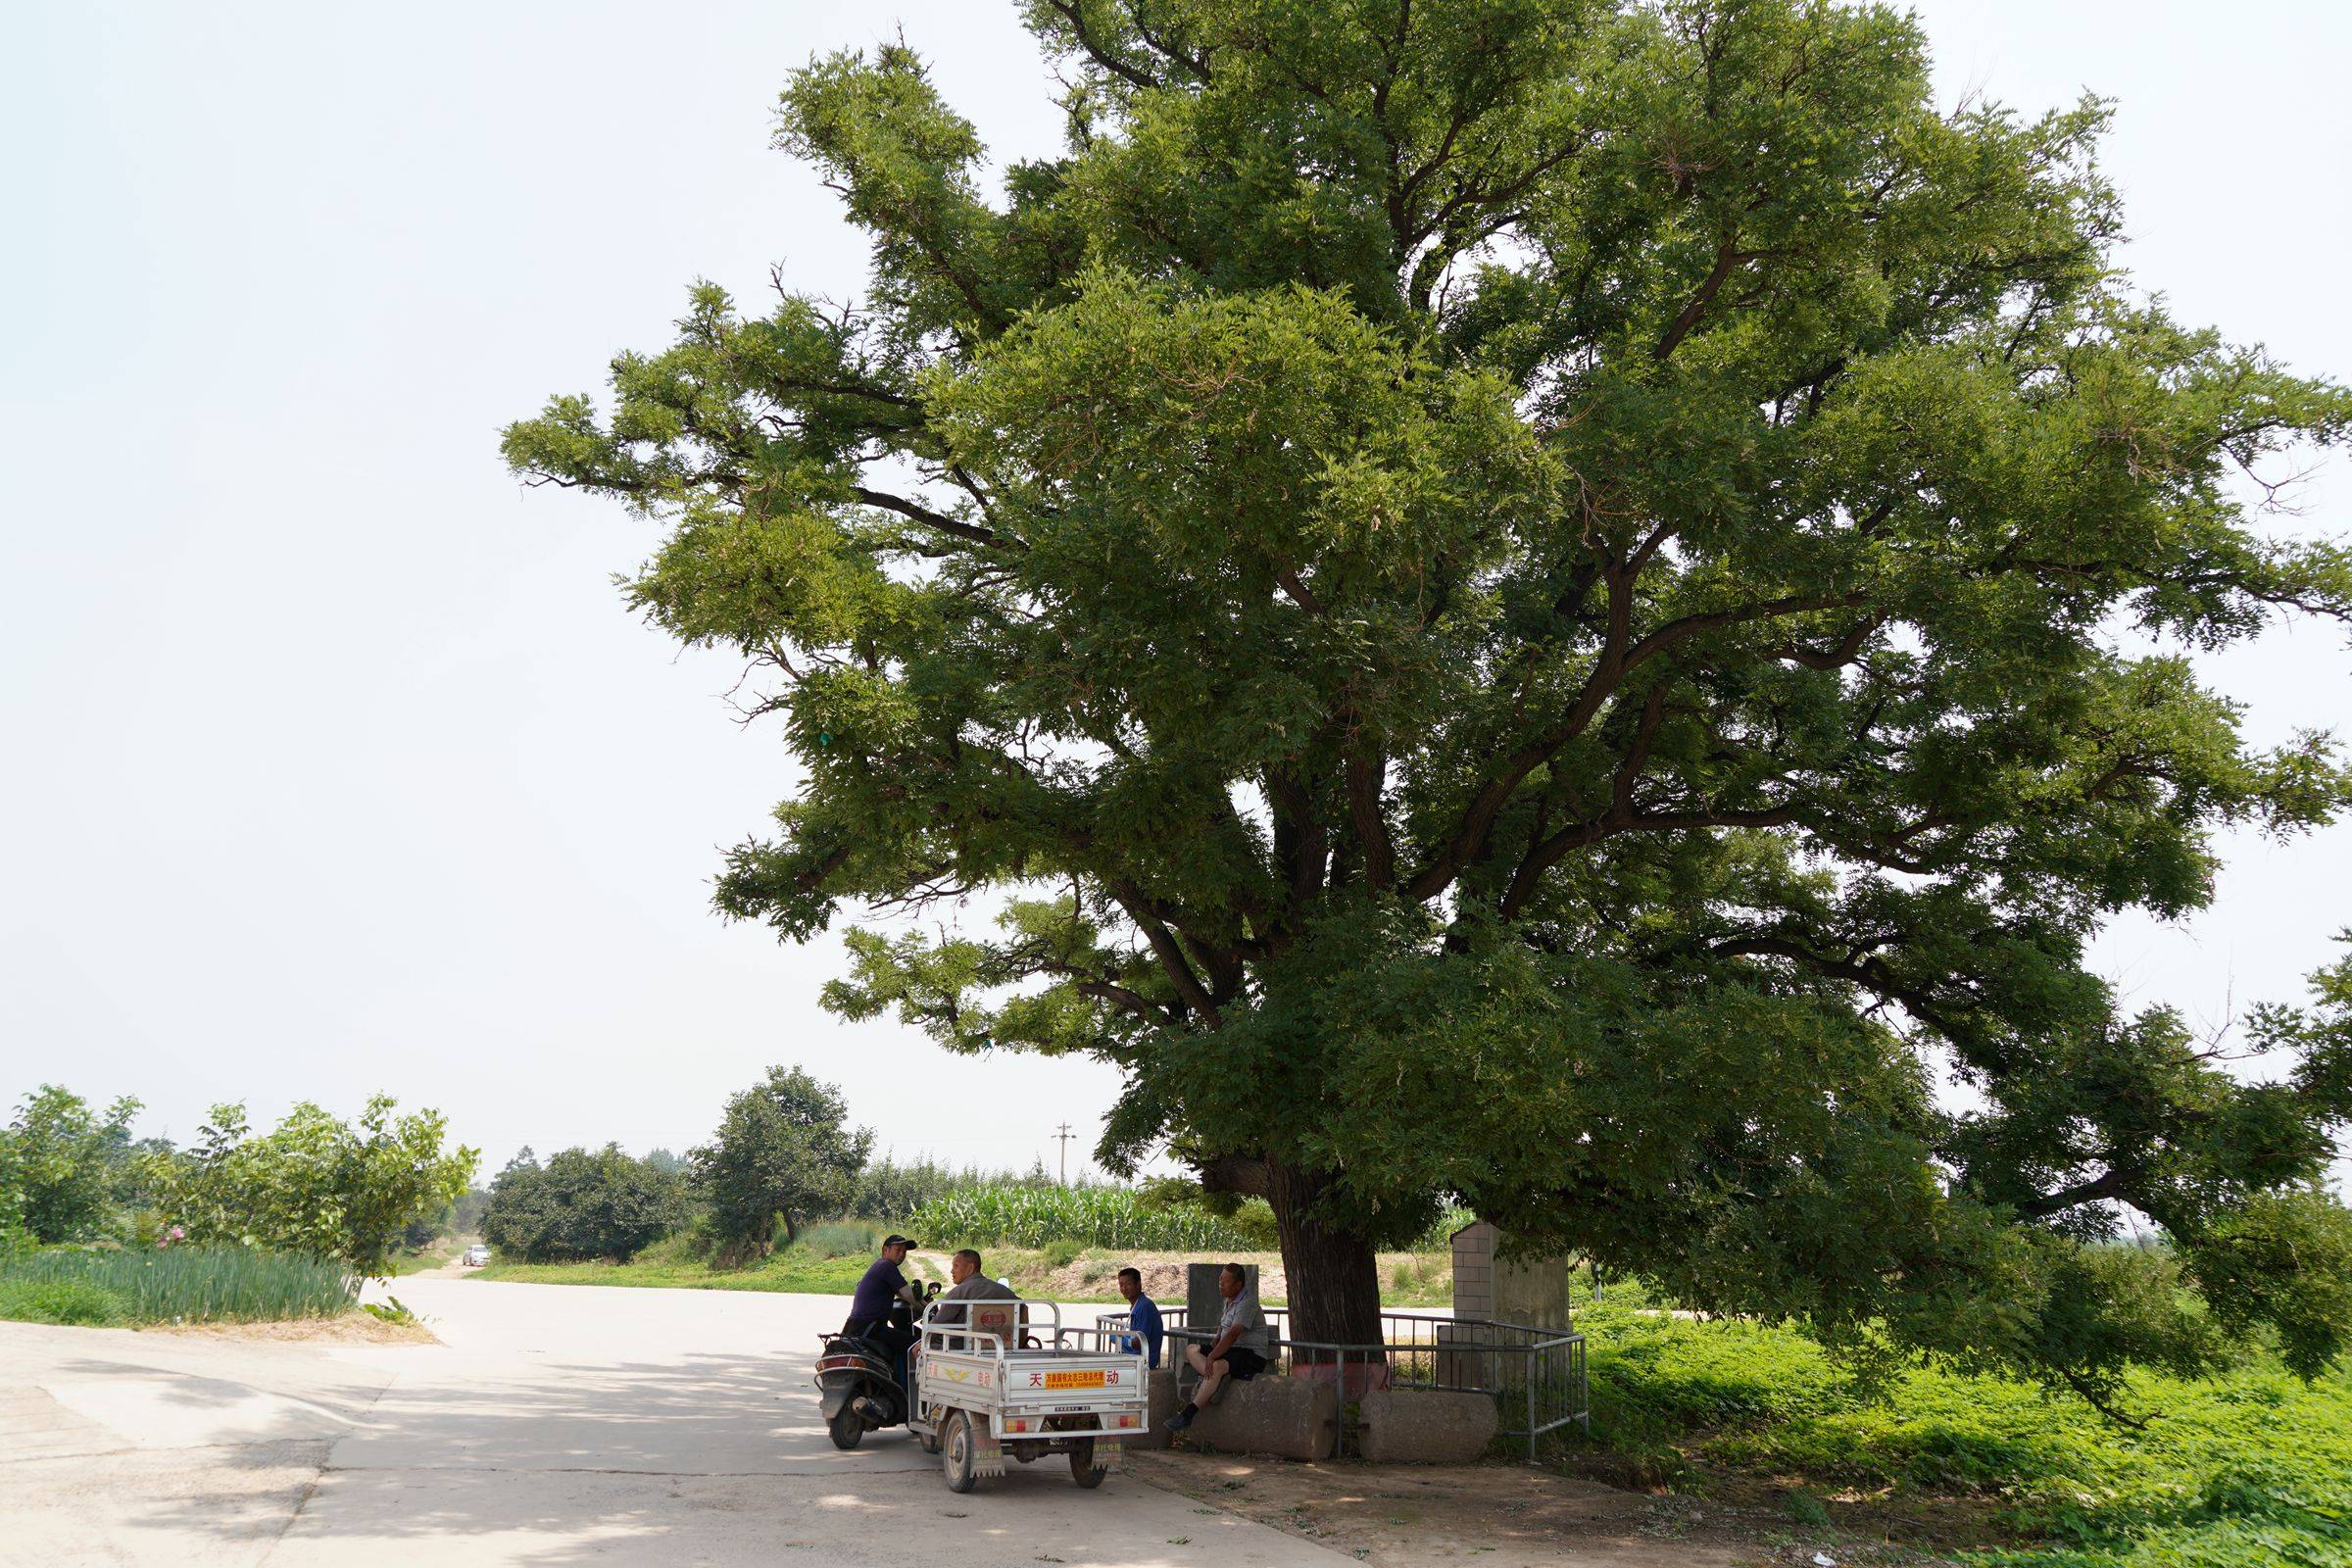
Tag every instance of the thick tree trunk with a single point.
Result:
(1334, 1278)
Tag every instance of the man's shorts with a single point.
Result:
(1242, 1365)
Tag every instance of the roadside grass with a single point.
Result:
(2252, 1468)
(67, 1301)
(176, 1284)
(674, 1264)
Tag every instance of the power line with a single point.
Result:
(1066, 1134)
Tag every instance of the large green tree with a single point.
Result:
(1565, 602)
(783, 1152)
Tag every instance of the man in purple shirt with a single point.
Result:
(870, 1307)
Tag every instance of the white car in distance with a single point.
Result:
(477, 1256)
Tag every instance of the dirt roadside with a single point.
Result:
(1502, 1515)
(352, 1328)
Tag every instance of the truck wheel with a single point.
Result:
(957, 1459)
(847, 1427)
(1081, 1463)
(929, 1441)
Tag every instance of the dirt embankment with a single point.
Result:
(351, 1328)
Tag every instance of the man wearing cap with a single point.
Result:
(870, 1307)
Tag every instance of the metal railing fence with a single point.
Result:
(1537, 1376)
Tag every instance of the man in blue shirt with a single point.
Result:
(1143, 1315)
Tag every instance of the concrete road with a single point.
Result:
(555, 1425)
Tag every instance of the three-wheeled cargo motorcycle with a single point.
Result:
(862, 1384)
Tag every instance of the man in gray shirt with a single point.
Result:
(970, 1285)
(1239, 1351)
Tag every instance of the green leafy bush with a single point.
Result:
(188, 1284)
(581, 1204)
(2251, 1466)
(842, 1238)
(62, 1164)
(316, 1185)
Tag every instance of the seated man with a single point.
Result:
(1239, 1351)
(970, 1285)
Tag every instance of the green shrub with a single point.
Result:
(195, 1284)
(75, 1302)
(317, 1185)
(61, 1164)
(842, 1238)
(581, 1204)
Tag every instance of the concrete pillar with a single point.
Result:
(1532, 1290)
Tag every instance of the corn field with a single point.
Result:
(196, 1284)
(1092, 1217)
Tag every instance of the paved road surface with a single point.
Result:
(555, 1425)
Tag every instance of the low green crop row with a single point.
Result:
(1024, 1215)
(1090, 1216)
(171, 1285)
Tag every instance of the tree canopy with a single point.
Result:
(583, 1204)
(1569, 604)
(316, 1184)
(782, 1154)
(63, 1168)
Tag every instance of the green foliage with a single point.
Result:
(62, 1166)
(673, 1264)
(316, 1184)
(583, 1204)
(76, 1302)
(781, 1155)
(893, 1192)
(843, 1237)
(2250, 1466)
(1089, 1216)
(184, 1284)
(1519, 602)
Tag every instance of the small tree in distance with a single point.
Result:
(781, 1153)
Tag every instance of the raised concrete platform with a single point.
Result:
(1290, 1418)
(1426, 1426)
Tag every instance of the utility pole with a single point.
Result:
(1066, 1134)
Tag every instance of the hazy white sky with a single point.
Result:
(332, 761)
